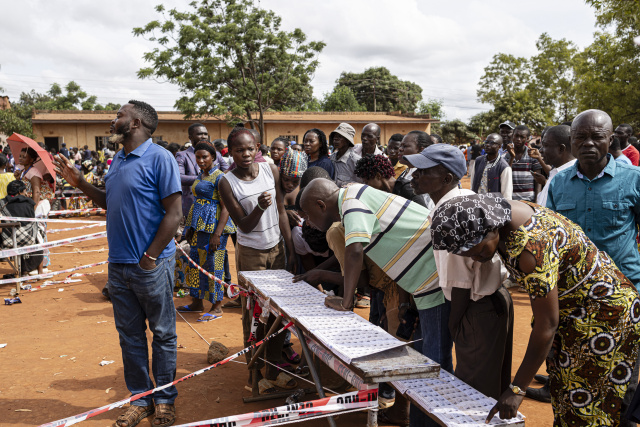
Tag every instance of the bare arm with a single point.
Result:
(168, 226)
(75, 178)
(353, 259)
(244, 222)
(35, 189)
(546, 314)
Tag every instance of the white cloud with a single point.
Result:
(442, 46)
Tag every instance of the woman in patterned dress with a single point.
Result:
(585, 310)
(208, 226)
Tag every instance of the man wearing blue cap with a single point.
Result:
(481, 319)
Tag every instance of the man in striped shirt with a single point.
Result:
(394, 233)
(522, 164)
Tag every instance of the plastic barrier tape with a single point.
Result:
(5, 253)
(357, 400)
(92, 413)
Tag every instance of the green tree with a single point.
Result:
(10, 122)
(553, 71)
(230, 58)
(482, 124)
(608, 70)
(342, 99)
(435, 108)
(379, 90)
(69, 97)
(456, 132)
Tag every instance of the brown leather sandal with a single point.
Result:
(133, 415)
(165, 415)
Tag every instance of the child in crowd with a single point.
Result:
(253, 195)
(5, 177)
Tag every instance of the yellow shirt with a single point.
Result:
(5, 179)
(399, 168)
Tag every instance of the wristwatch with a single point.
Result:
(517, 390)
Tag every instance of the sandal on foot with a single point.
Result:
(207, 317)
(285, 381)
(166, 414)
(187, 309)
(302, 371)
(265, 387)
(217, 313)
(234, 303)
(133, 415)
(294, 358)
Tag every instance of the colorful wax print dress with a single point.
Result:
(203, 218)
(595, 347)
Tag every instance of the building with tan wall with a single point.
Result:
(80, 128)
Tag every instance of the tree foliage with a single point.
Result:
(379, 90)
(535, 91)
(69, 97)
(230, 58)
(456, 132)
(342, 99)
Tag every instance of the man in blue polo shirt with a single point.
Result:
(143, 201)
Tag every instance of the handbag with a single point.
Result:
(25, 234)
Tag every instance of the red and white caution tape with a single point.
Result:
(77, 211)
(233, 290)
(34, 248)
(75, 221)
(348, 402)
(92, 413)
(60, 230)
(48, 275)
(70, 198)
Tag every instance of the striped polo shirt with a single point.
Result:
(396, 235)
(523, 182)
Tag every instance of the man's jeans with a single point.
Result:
(437, 345)
(138, 295)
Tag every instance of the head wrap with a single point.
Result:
(462, 222)
(293, 163)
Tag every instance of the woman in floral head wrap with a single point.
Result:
(292, 165)
(585, 310)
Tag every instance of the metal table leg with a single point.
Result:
(312, 369)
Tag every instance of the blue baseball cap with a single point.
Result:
(440, 154)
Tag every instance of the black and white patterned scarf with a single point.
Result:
(462, 222)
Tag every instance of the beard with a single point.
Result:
(120, 134)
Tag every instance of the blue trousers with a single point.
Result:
(437, 345)
(138, 296)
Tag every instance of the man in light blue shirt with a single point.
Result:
(143, 200)
(599, 194)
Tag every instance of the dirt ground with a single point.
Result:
(57, 337)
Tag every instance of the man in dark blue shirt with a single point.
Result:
(142, 198)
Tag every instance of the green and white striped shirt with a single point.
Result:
(396, 235)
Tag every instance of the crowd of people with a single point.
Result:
(389, 228)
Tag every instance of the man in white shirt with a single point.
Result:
(556, 152)
(481, 319)
(370, 137)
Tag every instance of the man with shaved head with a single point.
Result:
(623, 133)
(394, 233)
(370, 137)
(603, 197)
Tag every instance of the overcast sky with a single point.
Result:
(442, 46)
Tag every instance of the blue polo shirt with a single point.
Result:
(607, 208)
(135, 186)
